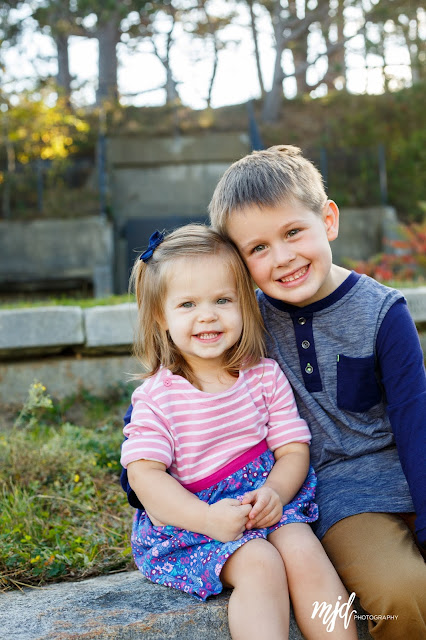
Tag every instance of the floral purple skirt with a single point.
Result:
(192, 562)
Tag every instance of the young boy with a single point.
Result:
(351, 351)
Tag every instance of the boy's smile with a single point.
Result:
(286, 248)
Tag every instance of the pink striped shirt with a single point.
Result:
(196, 434)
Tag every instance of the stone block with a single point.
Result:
(124, 606)
(65, 376)
(110, 325)
(57, 249)
(41, 328)
(209, 147)
(416, 300)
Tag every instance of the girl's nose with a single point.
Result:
(207, 313)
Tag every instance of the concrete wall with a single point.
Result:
(166, 176)
(362, 231)
(153, 183)
(51, 251)
(164, 183)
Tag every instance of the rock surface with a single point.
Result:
(123, 606)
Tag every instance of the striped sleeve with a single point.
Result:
(285, 424)
(148, 437)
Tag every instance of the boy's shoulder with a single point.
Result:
(356, 288)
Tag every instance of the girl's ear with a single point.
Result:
(330, 215)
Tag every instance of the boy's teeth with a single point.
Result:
(295, 276)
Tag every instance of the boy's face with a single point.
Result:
(286, 249)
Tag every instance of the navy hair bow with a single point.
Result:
(155, 239)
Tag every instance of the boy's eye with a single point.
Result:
(293, 232)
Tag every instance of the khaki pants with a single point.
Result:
(376, 556)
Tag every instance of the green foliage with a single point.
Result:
(62, 512)
(38, 130)
(350, 128)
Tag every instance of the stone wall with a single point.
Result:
(49, 254)
(67, 348)
(153, 183)
(163, 183)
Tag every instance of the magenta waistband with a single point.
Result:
(227, 470)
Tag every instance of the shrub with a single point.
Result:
(62, 512)
(405, 260)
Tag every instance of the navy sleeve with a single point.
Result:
(400, 359)
(131, 495)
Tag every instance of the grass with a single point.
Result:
(63, 515)
(125, 297)
(71, 302)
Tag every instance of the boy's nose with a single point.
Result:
(283, 254)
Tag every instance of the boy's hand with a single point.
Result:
(226, 520)
(267, 508)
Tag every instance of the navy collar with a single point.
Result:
(336, 295)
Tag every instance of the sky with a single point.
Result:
(141, 73)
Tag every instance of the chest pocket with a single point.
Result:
(357, 387)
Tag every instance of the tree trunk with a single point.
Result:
(63, 77)
(274, 97)
(337, 57)
(213, 75)
(300, 52)
(256, 48)
(108, 35)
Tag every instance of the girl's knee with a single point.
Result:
(256, 561)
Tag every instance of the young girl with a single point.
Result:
(216, 450)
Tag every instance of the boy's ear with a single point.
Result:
(330, 215)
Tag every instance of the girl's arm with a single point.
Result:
(166, 501)
(286, 477)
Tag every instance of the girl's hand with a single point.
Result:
(267, 507)
(226, 520)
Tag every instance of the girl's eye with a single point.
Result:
(293, 232)
(223, 300)
(258, 248)
(187, 305)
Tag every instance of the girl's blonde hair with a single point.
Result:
(153, 345)
(267, 178)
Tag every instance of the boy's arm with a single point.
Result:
(400, 359)
(124, 481)
(166, 500)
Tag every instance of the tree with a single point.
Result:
(61, 19)
(203, 24)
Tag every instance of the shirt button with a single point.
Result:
(167, 382)
(306, 344)
(301, 320)
(309, 368)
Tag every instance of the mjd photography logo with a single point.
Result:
(342, 610)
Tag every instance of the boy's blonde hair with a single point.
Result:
(267, 178)
(153, 345)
